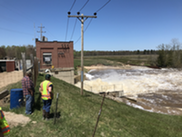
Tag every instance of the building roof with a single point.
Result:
(37, 40)
(6, 60)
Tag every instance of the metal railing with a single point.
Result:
(105, 88)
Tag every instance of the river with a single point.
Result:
(156, 90)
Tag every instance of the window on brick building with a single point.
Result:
(47, 58)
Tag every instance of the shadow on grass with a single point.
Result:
(38, 102)
(58, 115)
(86, 95)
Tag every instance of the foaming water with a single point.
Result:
(157, 90)
(133, 81)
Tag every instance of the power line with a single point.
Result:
(102, 6)
(16, 31)
(68, 19)
(20, 14)
(88, 25)
(84, 5)
(50, 33)
(77, 13)
(67, 28)
(74, 28)
(72, 5)
(8, 19)
(84, 30)
(92, 18)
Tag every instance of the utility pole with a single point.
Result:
(41, 31)
(82, 19)
(24, 63)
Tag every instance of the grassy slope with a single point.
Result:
(79, 114)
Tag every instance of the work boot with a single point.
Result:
(44, 115)
(47, 115)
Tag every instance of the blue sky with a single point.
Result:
(120, 25)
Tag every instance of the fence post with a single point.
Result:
(35, 67)
(24, 63)
(99, 114)
(38, 65)
(32, 69)
(55, 113)
(122, 87)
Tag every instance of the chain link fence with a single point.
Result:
(21, 67)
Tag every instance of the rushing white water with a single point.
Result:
(133, 81)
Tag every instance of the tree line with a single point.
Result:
(15, 51)
(169, 55)
(101, 53)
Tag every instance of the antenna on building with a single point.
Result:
(44, 38)
(41, 38)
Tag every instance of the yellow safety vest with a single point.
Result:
(3, 123)
(45, 93)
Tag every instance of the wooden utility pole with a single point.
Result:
(82, 19)
(24, 63)
(32, 69)
(35, 70)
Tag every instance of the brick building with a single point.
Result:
(7, 65)
(57, 54)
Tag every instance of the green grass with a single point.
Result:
(79, 115)
(146, 60)
(93, 61)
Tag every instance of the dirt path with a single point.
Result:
(16, 119)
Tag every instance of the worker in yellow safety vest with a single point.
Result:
(4, 127)
(46, 90)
